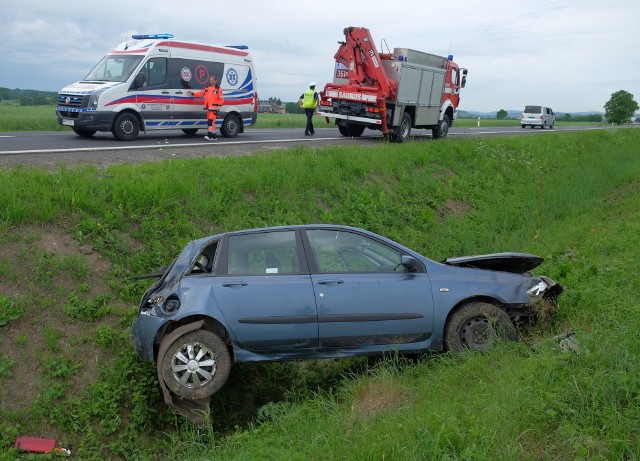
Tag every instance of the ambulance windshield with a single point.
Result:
(114, 68)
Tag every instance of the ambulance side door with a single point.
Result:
(188, 74)
(154, 97)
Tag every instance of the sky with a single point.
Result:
(570, 55)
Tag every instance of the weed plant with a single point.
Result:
(570, 197)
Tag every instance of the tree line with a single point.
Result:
(28, 97)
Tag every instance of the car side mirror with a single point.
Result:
(464, 81)
(410, 263)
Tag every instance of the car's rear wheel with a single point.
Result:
(190, 131)
(478, 326)
(231, 126)
(196, 365)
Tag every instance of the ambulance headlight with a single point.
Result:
(93, 99)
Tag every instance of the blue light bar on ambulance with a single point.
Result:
(238, 47)
(147, 36)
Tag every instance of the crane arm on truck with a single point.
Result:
(359, 54)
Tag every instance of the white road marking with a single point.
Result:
(162, 145)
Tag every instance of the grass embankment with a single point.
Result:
(569, 197)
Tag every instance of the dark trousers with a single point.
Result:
(309, 129)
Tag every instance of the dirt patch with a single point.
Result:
(41, 267)
(378, 396)
(456, 208)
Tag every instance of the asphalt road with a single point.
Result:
(53, 149)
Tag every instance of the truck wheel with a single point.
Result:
(442, 129)
(478, 326)
(344, 130)
(126, 127)
(196, 365)
(190, 131)
(404, 130)
(84, 133)
(230, 126)
(355, 131)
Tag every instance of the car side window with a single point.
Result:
(205, 261)
(153, 73)
(263, 253)
(341, 251)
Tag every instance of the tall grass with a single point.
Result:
(569, 197)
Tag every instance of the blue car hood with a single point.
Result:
(518, 263)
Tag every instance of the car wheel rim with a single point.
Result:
(126, 127)
(193, 365)
(476, 333)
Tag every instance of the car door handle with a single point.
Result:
(165, 92)
(330, 282)
(235, 284)
(178, 92)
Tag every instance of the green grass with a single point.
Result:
(570, 197)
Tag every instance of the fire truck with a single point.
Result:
(391, 92)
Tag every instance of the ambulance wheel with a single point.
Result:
(126, 127)
(190, 131)
(230, 126)
(84, 133)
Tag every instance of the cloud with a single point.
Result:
(568, 55)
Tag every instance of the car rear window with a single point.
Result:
(533, 109)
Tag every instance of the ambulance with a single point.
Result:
(144, 83)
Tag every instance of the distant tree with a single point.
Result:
(620, 107)
(502, 114)
(567, 117)
(293, 108)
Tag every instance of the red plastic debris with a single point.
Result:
(38, 445)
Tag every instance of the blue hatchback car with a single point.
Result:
(322, 291)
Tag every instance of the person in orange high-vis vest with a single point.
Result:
(213, 101)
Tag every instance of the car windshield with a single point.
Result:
(114, 68)
(533, 109)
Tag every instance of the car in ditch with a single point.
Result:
(322, 291)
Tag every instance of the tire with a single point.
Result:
(478, 326)
(190, 131)
(523, 126)
(230, 126)
(442, 129)
(551, 126)
(344, 130)
(196, 365)
(543, 125)
(404, 130)
(126, 127)
(355, 131)
(84, 133)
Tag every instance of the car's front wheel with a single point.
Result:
(196, 365)
(126, 127)
(478, 326)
